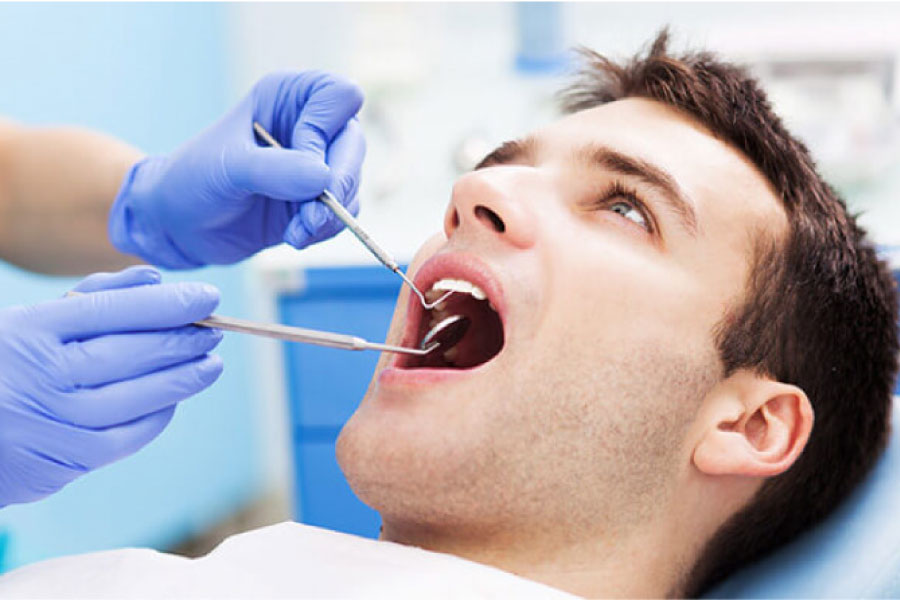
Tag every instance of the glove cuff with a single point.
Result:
(134, 227)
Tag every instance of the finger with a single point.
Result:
(132, 276)
(54, 476)
(125, 401)
(111, 358)
(116, 443)
(345, 157)
(330, 103)
(78, 449)
(142, 308)
(62, 444)
(282, 174)
(314, 222)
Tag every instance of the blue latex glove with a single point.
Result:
(88, 380)
(224, 196)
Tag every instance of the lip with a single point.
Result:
(452, 265)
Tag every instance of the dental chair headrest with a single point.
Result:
(854, 553)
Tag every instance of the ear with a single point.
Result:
(752, 426)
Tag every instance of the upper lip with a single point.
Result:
(451, 265)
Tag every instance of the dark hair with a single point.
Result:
(819, 311)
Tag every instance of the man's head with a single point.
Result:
(676, 293)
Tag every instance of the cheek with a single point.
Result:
(605, 289)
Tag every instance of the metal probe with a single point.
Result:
(305, 336)
(328, 199)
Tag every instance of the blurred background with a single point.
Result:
(444, 84)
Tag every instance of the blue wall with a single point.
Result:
(152, 74)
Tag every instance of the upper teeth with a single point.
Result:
(459, 285)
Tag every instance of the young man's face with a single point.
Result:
(611, 245)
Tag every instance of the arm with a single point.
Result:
(73, 201)
(56, 188)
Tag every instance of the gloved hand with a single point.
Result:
(88, 380)
(224, 196)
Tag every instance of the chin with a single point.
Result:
(414, 483)
(407, 457)
(412, 445)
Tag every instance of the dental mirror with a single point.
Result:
(447, 333)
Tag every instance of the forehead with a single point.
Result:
(731, 197)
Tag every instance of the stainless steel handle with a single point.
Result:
(285, 332)
(306, 336)
(344, 215)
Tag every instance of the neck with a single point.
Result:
(640, 562)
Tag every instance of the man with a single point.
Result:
(665, 294)
(89, 380)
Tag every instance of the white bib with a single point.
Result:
(280, 561)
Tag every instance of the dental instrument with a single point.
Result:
(304, 336)
(447, 333)
(309, 336)
(328, 199)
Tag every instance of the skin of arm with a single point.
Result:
(56, 188)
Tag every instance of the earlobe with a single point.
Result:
(754, 427)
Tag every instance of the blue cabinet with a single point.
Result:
(325, 386)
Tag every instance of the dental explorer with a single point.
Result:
(328, 199)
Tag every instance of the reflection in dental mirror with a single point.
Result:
(447, 333)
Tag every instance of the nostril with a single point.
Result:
(454, 220)
(484, 213)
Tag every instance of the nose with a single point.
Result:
(492, 202)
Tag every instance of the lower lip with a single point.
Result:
(397, 377)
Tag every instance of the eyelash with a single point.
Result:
(618, 190)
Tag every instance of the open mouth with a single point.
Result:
(482, 341)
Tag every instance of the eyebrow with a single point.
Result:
(649, 173)
(512, 151)
(523, 151)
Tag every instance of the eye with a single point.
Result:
(622, 201)
(626, 202)
(630, 212)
